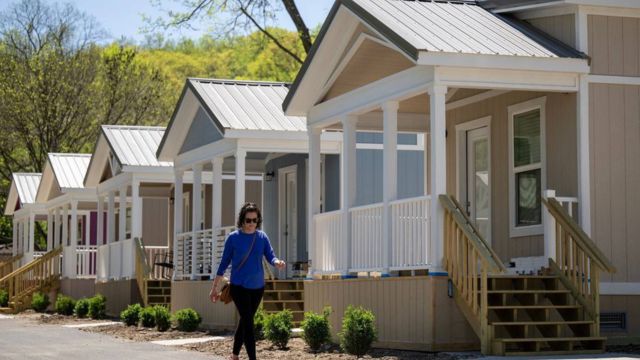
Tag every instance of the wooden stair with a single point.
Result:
(153, 291)
(284, 294)
(158, 292)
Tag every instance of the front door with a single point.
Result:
(288, 217)
(478, 187)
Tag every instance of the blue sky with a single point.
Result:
(123, 18)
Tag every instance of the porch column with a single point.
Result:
(389, 176)
(584, 175)
(313, 193)
(21, 236)
(49, 231)
(14, 248)
(216, 193)
(348, 183)
(32, 223)
(196, 218)
(136, 210)
(240, 183)
(100, 222)
(56, 230)
(438, 128)
(122, 230)
(177, 218)
(87, 228)
(111, 218)
(74, 241)
(65, 225)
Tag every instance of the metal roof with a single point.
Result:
(135, 145)
(69, 169)
(27, 186)
(247, 105)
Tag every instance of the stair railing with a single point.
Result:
(469, 258)
(143, 269)
(8, 266)
(578, 260)
(36, 275)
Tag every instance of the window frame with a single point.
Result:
(514, 110)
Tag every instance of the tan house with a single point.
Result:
(530, 110)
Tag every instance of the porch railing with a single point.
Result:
(410, 226)
(209, 248)
(116, 260)
(328, 236)
(367, 239)
(85, 264)
(155, 255)
(9, 265)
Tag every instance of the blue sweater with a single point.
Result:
(251, 274)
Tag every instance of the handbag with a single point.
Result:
(225, 293)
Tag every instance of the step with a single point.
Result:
(6, 310)
(536, 323)
(540, 291)
(550, 345)
(552, 339)
(533, 307)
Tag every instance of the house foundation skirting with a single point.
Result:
(195, 294)
(78, 288)
(119, 294)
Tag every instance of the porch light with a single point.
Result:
(269, 176)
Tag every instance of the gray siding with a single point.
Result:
(332, 183)
(201, 132)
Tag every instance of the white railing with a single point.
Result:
(128, 259)
(329, 256)
(410, 221)
(116, 261)
(86, 263)
(157, 255)
(102, 267)
(209, 248)
(367, 240)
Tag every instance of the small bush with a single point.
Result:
(358, 331)
(277, 328)
(131, 315)
(4, 298)
(40, 302)
(82, 308)
(163, 317)
(64, 305)
(316, 328)
(98, 307)
(258, 323)
(187, 319)
(148, 317)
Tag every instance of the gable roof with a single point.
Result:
(69, 169)
(135, 145)
(24, 187)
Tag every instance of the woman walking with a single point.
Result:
(244, 249)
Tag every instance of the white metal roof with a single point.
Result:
(27, 186)
(452, 27)
(247, 105)
(135, 145)
(69, 169)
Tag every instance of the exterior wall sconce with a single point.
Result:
(269, 176)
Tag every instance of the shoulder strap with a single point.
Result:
(248, 252)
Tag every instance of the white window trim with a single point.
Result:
(534, 104)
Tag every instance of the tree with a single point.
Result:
(243, 15)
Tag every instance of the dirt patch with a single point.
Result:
(57, 319)
(140, 334)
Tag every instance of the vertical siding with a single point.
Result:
(561, 27)
(195, 295)
(253, 193)
(119, 294)
(201, 132)
(615, 150)
(155, 221)
(614, 44)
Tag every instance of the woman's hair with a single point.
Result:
(248, 208)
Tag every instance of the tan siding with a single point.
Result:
(253, 193)
(614, 45)
(407, 310)
(561, 160)
(78, 288)
(155, 219)
(615, 150)
(561, 27)
(630, 305)
(119, 295)
(195, 294)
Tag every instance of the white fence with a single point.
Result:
(410, 224)
(329, 256)
(116, 260)
(84, 264)
(207, 256)
(367, 240)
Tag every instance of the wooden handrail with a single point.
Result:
(142, 270)
(6, 267)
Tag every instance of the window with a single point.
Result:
(526, 163)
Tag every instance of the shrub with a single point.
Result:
(258, 323)
(187, 319)
(4, 298)
(148, 317)
(98, 307)
(82, 308)
(358, 331)
(40, 302)
(316, 328)
(131, 315)
(277, 328)
(64, 305)
(163, 317)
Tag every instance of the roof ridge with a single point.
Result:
(27, 173)
(70, 154)
(137, 127)
(239, 82)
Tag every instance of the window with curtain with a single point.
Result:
(527, 168)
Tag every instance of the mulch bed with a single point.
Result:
(140, 334)
(57, 319)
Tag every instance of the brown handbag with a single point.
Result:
(225, 293)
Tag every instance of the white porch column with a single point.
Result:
(549, 228)
(65, 225)
(216, 193)
(74, 241)
(87, 228)
(32, 233)
(389, 175)
(21, 236)
(348, 183)
(584, 175)
(100, 222)
(122, 216)
(438, 158)
(313, 190)
(14, 248)
(111, 218)
(240, 183)
(136, 210)
(49, 231)
(196, 218)
(177, 217)
(56, 230)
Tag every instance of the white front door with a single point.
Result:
(288, 217)
(478, 185)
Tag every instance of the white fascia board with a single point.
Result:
(503, 62)
(617, 80)
(288, 147)
(529, 7)
(397, 87)
(164, 177)
(475, 78)
(620, 288)
(115, 183)
(633, 12)
(148, 169)
(265, 134)
(223, 147)
(547, 12)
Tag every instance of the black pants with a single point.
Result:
(247, 302)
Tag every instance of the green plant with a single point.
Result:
(187, 319)
(64, 305)
(163, 317)
(148, 317)
(277, 328)
(358, 331)
(40, 302)
(131, 315)
(98, 307)
(258, 323)
(4, 298)
(82, 308)
(316, 328)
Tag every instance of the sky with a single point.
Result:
(123, 18)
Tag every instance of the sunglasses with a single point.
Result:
(251, 220)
